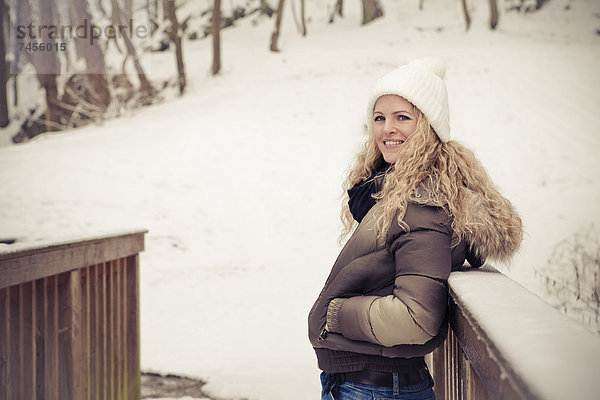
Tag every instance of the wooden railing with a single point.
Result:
(506, 343)
(69, 319)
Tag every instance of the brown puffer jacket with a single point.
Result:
(387, 299)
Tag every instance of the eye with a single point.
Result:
(379, 118)
(403, 117)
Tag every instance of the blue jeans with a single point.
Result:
(357, 391)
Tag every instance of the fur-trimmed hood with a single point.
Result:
(498, 232)
(495, 231)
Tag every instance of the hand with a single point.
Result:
(473, 259)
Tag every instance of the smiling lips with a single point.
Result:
(392, 143)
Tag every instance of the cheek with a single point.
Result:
(377, 133)
(413, 127)
(376, 139)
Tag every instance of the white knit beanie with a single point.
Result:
(422, 83)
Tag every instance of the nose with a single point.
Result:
(389, 127)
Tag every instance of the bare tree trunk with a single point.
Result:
(216, 34)
(15, 90)
(303, 16)
(153, 10)
(128, 9)
(371, 10)
(493, 14)
(145, 85)
(94, 58)
(157, 11)
(48, 81)
(18, 14)
(100, 7)
(293, 6)
(300, 25)
(175, 35)
(45, 63)
(164, 11)
(275, 35)
(466, 13)
(4, 120)
(338, 8)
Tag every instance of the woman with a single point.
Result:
(423, 204)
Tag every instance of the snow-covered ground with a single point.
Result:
(238, 182)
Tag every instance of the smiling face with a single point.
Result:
(394, 121)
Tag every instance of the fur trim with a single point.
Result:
(497, 232)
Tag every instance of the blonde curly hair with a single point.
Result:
(451, 174)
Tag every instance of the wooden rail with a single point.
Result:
(69, 320)
(505, 343)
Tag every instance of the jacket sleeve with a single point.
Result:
(414, 312)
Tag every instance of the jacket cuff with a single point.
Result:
(333, 315)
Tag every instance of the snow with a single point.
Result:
(238, 182)
(555, 357)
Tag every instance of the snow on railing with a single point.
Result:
(504, 342)
(69, 319)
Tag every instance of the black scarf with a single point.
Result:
(361, 194)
